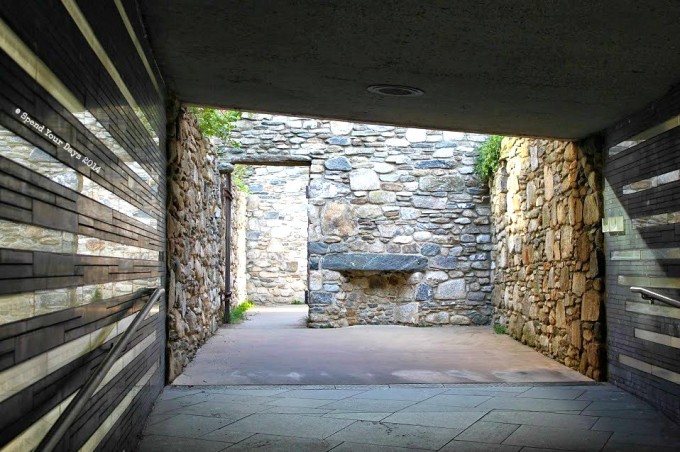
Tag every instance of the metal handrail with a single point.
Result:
(652, 296)
(59, 428)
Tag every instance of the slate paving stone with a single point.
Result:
(290, 425)
(356, 447)
(467, 446)
(328, 394)
(637, 426)
(400, 435)
(294, 410)
(160, 443)
(541, 419)
(415, 394)
(227, 436)
(618, 406)
(220, 409)
(558, 438)
(510, 391)
(487, 432)
(187, 426)
(552, 393)
(622, 414)
(457, 400)
(273, 443)
(527, 404)
(606, 396)
(434, 419)
(660, 441)
(365, 416)
(156, 418)
(307, 403)
(354, 404)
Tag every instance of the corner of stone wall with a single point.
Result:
(195, 248)
(546, 202)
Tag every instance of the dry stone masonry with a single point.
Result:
(399, 228)
(196, 255)
(547, 209)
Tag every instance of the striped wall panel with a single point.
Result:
(642, 245)
(82, 219)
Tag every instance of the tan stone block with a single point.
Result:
(591, 209)
(548, 183)
(560, 315)
(590, 308)
(566, 241)
(575, 334)
(578, 285)
(571, 152)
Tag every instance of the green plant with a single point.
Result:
(488, 158)
(238, 313)
(238, 178)
(217, 123)
(499, 328)
(297, 302)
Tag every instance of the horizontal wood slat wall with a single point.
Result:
(627, 313)
(34, 200)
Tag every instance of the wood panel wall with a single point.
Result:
(27, 197)
(643, 340)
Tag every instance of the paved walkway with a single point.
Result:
(503, 418)
(275, 347)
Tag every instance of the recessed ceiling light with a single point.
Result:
(395, 90)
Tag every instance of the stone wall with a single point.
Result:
(239, 223)
(276, 234)
(385, 198)
(547, 209)
(195, 249)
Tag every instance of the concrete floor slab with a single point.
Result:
(275, 347)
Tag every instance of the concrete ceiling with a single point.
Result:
(560, 69)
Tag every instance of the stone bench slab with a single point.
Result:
(374, 262)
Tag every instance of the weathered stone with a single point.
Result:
(337, 219)
(437, 317)
(382, 197)
(406, 313)
(590, 308)
(431, 164)
(374, 262)
(430, 249)
(321, 188)
(591, 209)
(429, 202)
(442, 183)
(424, 292)
(364, 179)
(339, 141)
(454, 289)
(459, 320)
(338, 164)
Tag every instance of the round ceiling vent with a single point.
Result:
(395, 90)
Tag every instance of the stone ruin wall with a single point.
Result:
(547, 210)
(276, 234)
(387, 191)
(196, 255)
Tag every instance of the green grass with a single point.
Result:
(297, 302)
(238, 313)
(499, 328)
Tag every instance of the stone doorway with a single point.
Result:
(269, 255)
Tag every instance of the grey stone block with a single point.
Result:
(374, 262)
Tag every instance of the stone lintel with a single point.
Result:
(374, 262)
(271, 160)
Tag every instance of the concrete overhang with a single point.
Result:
(560, 69)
